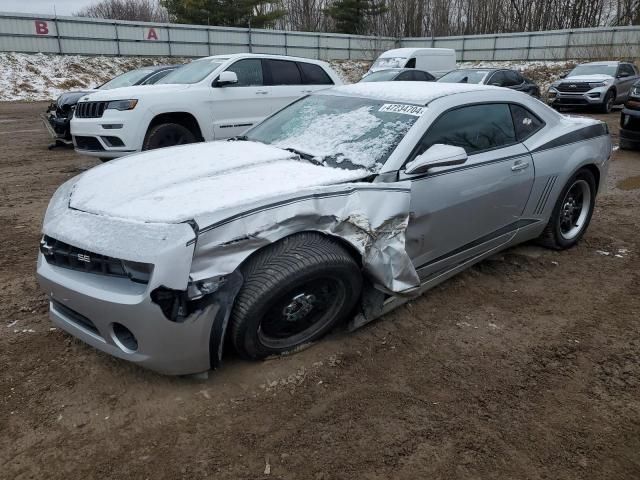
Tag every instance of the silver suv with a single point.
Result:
(600, 84)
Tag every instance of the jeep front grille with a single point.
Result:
(90, 109)
(64, 255)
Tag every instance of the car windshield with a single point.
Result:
(339, 132)
(127, 79)
(381, 76)
(594, 70)
(389, 62)
(192, 72)
(464, 76)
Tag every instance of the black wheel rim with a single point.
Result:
(296, 316)
(575, 209)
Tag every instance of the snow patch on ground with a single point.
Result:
(43, 77)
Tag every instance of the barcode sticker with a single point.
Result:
(402, 108)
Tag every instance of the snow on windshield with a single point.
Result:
(340, 131)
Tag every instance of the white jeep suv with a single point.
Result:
(208, 99)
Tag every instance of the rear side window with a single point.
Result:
(525, 122)
(314, 74)
(249, 72)
(284, 72)
(628, 69)
(476, 128)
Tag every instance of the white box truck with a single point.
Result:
(436, 61)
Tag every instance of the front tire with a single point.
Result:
(607, 104)
(167, 135)
(294, 292)
(572, 213)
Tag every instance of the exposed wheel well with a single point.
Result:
(595, 172)
(182, 118)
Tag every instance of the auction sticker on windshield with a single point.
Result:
(401, 108)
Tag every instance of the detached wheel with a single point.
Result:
(607, 104)
(167, 135)
(294, 292)
(572, 212)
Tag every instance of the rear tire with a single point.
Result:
(294, 292)
(167, 135)
(572, 212)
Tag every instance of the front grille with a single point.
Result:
(90, 109)
(91, 144)
(75, 317)
(64, 255)
(571, 101)
(574, 87)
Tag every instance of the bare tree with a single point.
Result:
(138, 10)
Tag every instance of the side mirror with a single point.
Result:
(563, 75)
(226, 78)
(623, 75)
(437, 155)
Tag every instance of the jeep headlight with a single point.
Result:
(122, 104)
(635, 91)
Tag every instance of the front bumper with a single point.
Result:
(113, 135)
(593, 97)
(630, 125)
(92, 308)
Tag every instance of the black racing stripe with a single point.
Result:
(586, 133)
(485, 238)
(292, 201)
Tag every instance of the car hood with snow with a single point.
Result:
(596, 78)
(193, 180)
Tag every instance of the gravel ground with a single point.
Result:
(526, 366)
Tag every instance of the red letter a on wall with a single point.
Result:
(152, 35)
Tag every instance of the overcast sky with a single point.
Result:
(63, 7)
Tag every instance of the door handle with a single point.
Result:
(262, 92)
(307, 91)
(519, 165)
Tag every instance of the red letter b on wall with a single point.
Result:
(41, 27)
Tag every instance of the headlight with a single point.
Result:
(137, 271)
(635, 91)
(122, 104)
(197, 290)
(597, 84)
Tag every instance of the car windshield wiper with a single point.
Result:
(239, 138)
(306, 155)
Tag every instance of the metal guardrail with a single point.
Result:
(73, 35)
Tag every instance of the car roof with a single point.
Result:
(261, 55)
(408, 51)
(400, 70)
(419, 93)
(611, 63)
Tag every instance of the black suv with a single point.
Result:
(630, 120)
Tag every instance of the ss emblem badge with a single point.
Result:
(84, 258)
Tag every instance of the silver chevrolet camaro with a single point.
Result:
(337, 208)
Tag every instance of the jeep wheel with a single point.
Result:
(294, 292)
(167, 135)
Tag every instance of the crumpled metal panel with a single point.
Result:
(370, 217)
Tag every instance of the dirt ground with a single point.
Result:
(525, 367)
